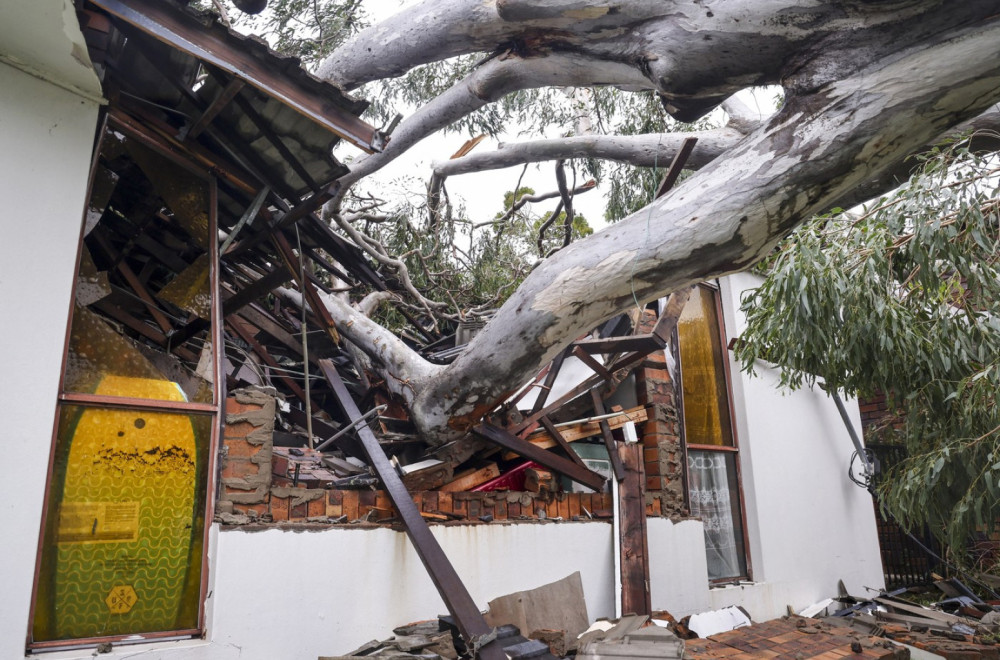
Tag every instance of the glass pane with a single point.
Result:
(144, 292)
(714, 493)
(122, 547)
(703, 375)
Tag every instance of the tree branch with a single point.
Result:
(404, 370)
(489, 83)
(804, 160)
(644, 150)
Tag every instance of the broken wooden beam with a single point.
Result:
(647, 343)
(676, 165)
(609, 441)
(550, 379)
(594, 365)
(468, 618)
(586, 428)
(560, 440)
(471, 478)
(554, 462)
(306, 287)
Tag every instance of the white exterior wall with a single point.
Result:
(808, 524)
(46, 133)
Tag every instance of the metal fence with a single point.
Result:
(904, 562)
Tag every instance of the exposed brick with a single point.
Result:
(234, 407)
(351, 505)
(238, 430)
(260, 508)
(279, 508)
(236, 468)
(240, 448)
(317, 508)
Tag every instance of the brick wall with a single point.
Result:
(660, 434)
(877, 419)
(347, 506)
(249, 493)
(245, 455)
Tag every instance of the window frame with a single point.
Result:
(115, 121)
(714, 290)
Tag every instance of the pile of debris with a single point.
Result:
(886, 627)
(960, 627)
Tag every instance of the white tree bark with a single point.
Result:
(493, 80)
(814, 152)
(647, 150)
(866, 84)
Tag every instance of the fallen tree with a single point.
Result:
(865, 85)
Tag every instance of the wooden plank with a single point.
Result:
(306, 287)
(134, 282)
(595, 366)
(628, 344)
(676, 165)
(550, 379)
(220, 102)
(255, 290)
(911, 608)
(634, 545)
(587, 429)
(471, 478)
(609, 440)
(911, 620)
(239, 326)
(552, 461)
(560, 440)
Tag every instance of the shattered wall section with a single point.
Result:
(661, 433)
(245, 455)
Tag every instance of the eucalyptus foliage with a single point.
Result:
(903, 298)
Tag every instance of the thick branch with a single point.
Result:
(804, 160)
(404, 370)
(646, 150)
(436, 30)
(486, 84)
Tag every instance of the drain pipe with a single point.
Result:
(862, 454)
(616, 533)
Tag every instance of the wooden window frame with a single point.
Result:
(715, 292)
(113, 121)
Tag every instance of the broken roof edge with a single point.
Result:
(250, 59)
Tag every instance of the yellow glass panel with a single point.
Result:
(703, 375)
(185, 194)
(122, 550)
(97, 351)
(143, 206)
(191, 289)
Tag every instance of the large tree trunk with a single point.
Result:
(865, 86)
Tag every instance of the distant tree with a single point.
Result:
(903, 298)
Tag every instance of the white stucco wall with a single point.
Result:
(46, 133)
(808, 524)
